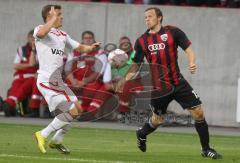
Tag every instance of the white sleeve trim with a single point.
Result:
(36, 29)
(72, 43)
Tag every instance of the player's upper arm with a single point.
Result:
(181, 38)
(139, 55)
(72, 44)
(39, 32)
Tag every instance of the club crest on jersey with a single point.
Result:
(57, 52)
(164, 37)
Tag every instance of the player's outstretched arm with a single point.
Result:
(86, 48)
(43, 31)
(191, 60)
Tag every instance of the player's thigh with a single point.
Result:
(159, 105)
(186, 96)
(61, 98)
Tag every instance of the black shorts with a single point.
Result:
(182, 93)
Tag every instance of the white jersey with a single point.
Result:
(50, 50)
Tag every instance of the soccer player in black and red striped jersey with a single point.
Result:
(159, 46)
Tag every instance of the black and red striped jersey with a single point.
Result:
(161, 49)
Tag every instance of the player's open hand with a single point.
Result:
(192, 68)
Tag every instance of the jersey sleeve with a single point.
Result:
(36, 29)
(72, 44)
(181, 39)
(18, 56)
(139, 53)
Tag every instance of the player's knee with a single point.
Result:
(156, 120)
(197, 113)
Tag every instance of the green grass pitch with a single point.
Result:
(112, 146)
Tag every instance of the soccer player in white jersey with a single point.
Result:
(50, 45)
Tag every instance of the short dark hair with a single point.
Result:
(46, 9)
(157, 11)
(88, 32)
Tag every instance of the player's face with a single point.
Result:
(151, 19)
(88, 39)
(59, 20)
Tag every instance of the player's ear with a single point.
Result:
(160, 18)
